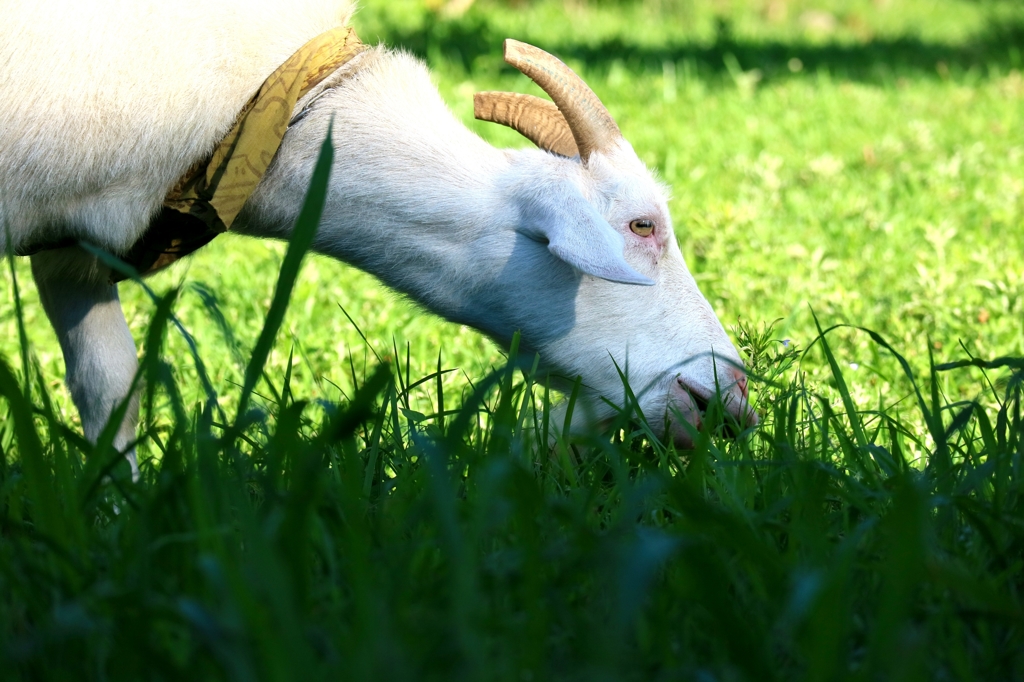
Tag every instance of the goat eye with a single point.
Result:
(642, 228)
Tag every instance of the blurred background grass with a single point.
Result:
(863, 159)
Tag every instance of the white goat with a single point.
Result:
(105, 105)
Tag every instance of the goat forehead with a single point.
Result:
(639, 199)
(627, 187)
(619, 162)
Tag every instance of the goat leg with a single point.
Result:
(99, 352)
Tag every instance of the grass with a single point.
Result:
(314, 512)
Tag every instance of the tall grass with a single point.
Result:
(368, 540)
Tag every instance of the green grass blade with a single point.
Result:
(300, 242)
(852, 414)
(47, 510)
(20, 317)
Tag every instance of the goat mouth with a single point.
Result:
(703, 401)
(702, 404)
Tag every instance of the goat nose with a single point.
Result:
(750, 414)
(738, 380)
(747, 415)
(740, 377)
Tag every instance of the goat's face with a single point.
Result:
(665, 338)
(628, 303)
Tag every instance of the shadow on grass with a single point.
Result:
(474, 43)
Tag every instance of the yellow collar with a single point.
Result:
(208, 198)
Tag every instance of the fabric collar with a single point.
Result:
(208, 198)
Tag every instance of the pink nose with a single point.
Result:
(741, 381)
(744, 413)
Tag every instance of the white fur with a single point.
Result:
(107, 103)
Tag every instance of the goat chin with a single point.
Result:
(577, 254)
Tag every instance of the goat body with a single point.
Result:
(95, 133)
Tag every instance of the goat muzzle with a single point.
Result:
(687, 408)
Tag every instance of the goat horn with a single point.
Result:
(538, 120)
(592, 126)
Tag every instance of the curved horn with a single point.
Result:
(538, 120)
(592, 126)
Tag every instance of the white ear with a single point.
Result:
(580, 236)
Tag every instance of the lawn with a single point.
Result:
(832, 163)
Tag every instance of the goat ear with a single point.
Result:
(582, 238)
(600, 260)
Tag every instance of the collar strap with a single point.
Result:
(208, 198)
